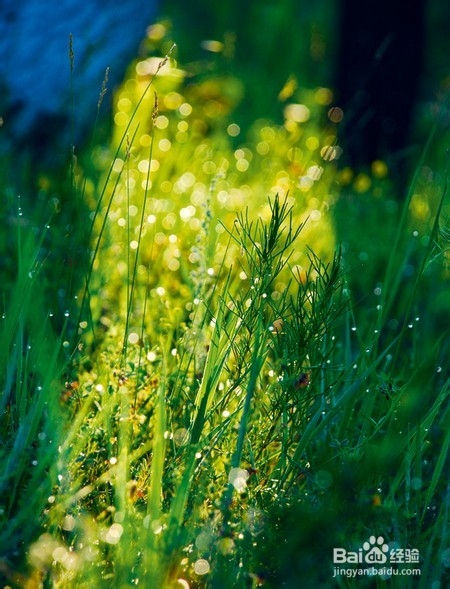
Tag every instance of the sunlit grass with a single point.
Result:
(177, 180)
(218, 411)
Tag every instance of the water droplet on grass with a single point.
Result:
(180, 437)
(416, 483)
(203, 541)
(238, 478)
(114, 533)
(68, 523)
(202, 566)
(226, 546)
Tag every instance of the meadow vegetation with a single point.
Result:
(244, 365)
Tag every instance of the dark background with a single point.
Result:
(386, 61)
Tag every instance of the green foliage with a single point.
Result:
(222, 412)
(30, 367)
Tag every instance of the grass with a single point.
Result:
(215, 406)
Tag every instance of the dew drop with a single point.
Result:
(416, 483)
(238, 478)
(114, 533)
(202, 566)
(68, 523)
